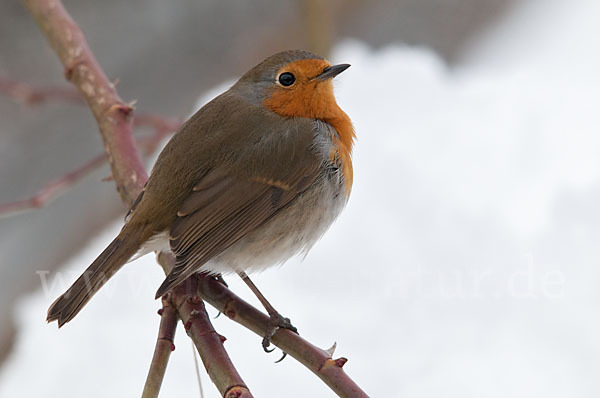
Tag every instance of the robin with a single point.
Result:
(254, 177)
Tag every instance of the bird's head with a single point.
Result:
(293, 84)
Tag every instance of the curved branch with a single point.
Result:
(28, 94)
(58, 186)
(52, 189)
(209, 343)
(114, 117)
(317, 360)
(162, 350)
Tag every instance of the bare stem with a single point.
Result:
(59, 186)
(162, 350)
(317, 360)
(208, 342)
(52, 189)
(28, 94)
(113, 115)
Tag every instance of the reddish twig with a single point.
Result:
(318, 361)
(208, 342)
(51, 190)
(162, 350)
(28, 94)
(59, 186)
(112, 114)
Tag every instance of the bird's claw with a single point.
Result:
(276, 321)
(266, 343)
(282, 357)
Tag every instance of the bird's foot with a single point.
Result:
(276, 321)
(219, 278)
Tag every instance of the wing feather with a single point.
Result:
(222, 209)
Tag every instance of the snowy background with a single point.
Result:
(465, 265)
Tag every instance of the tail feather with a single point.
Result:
(68, 305)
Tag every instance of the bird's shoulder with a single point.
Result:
(240, 140)
(233, 130)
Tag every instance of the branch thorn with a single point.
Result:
(331, 349)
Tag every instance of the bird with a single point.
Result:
(254, 177)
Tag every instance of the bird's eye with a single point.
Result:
(287, 79)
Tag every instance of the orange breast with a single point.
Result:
(344, 144)
(314, 99)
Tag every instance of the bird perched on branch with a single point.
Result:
(254, 177)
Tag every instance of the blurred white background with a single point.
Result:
(465, 265)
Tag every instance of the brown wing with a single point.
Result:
(223, 207)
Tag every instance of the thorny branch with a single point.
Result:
(162, 351)
(29, 94)
(208, 342)
(52, 189)
(197, 325)
(113, 115)
(317, 360)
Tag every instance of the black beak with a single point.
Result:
(332, 71)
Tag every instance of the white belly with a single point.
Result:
(294, 230)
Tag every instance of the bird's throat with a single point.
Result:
(316, 101)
